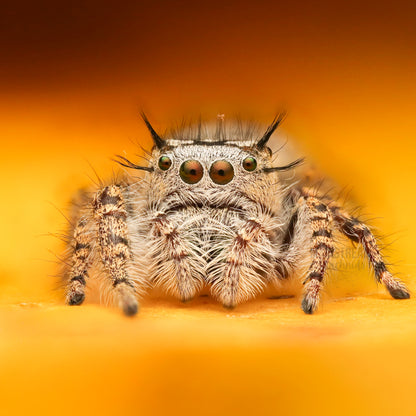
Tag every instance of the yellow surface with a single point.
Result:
(72, 81)
(355, 357)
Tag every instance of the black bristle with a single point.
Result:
(291, 165)
(127, 164)
(270, 130)
(159, 142)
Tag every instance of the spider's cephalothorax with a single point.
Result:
(211, 211)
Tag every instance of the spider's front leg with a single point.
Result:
(110, 213)
(321, 218)
(109, 227)
(322, 249)
(81, 260)
(358, 232)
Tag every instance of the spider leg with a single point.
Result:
(309, 226)
(110, 214)
(322, 249)
(81, 261)
(359, 232)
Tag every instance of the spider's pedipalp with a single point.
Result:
(174, 269)
(236, 280)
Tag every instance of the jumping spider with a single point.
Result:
(212, 211)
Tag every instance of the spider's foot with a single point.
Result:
(396, 288)
(307, 306)
(75, 294)
(399, 293)
(311, 296)
(75, 298)
(229, 306)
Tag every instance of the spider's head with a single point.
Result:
(211, 162)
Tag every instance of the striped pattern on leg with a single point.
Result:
(75, 292)
(322, 250)
(110, 213)
(358, 232)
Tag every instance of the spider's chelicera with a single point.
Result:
(211, 210)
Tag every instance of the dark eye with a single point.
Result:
(221, 172)
(165, 163)
(249, 163)
(191, 171)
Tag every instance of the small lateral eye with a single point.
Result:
(165, 163)
(249, 163)
(221, 172)
(191, 171)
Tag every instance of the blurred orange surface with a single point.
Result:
(355, 357)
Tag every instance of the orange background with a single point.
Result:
(73, 78)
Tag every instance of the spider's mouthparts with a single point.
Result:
(201, 205)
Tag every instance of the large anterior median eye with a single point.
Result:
(221, 172)
(191, 171)
(164, 163)
(249, 164)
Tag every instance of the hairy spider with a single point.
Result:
(211, 210)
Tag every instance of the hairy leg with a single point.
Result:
(309, 225)
(110, 214)
(81, 261)
(358, 232)
(322, 249)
